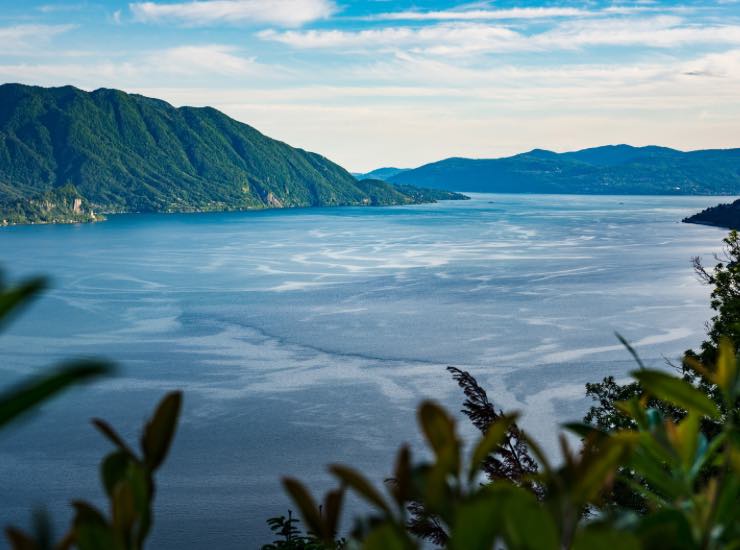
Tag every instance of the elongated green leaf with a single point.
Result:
(726, 374)
(438, 428)
(25, 397)
(597, 471)
(686, 439)
(160, 430)
(630, 349)
(113, 470)
(20, 540)
(306, 504)
(387, 537)
(333, 510)
(11, 300)
(676, 391)
(489, 442)
(585, 430)
(402, 482)
(656, 476)
(726, 511)
(610, 539)
(108, 431)
(362, 486)
(123, 508)
(476, 525)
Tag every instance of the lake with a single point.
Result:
(303, 337)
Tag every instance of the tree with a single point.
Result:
(724, 279)
(128, 477)
(691, 483)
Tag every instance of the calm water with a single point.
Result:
(308, 336)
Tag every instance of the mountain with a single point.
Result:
(381, 173)
(722, 215)
(66, 153)
(612, 169)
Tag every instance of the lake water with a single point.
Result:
(304, 337)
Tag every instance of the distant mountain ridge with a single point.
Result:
(611, 169)
(66, 153)
(382, 173)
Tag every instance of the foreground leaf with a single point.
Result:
(25, 397)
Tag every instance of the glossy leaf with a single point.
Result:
(387, 537)
(361, 485)
(333, 510)
(113, 470)
(489, 442)
(20, 540)
(608, 539)
(631, 350)
(160, 430)
(401, 484)
(108, 431)
(306, 504)
(439, 429)
(30, 394)
(677, 391)
(726, 374)
(12, 299)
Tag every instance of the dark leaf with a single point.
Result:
(160, 430)
(25, 397)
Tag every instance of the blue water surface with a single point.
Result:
(303, 337)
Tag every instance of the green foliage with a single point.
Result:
(128, 153)
(29, 394)
(723, 215)
(699, 390)
(691, 483)
(290, 536)
(53, 205)
(128, 481)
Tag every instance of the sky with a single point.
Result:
(402, 83)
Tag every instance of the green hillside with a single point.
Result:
(616, 169)
(723, 215)
(66, 153)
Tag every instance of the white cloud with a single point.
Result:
(465, 37)
(21, 38)
(657, 32)
(288, 13)
(442, 38)
(182, 62)
(480, 15)
(208, 59)
(542, 12)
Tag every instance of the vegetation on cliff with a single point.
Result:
(723, 215)
(128, 153)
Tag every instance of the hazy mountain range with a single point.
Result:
(612, 169)
(381, 173)
(66, 153)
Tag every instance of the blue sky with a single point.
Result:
(393, 82)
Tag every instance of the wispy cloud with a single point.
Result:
(288, 13)
(203, 59)
(436, 38)
(468, 37)
(22, 38)
(178, 64)
(480, 14)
